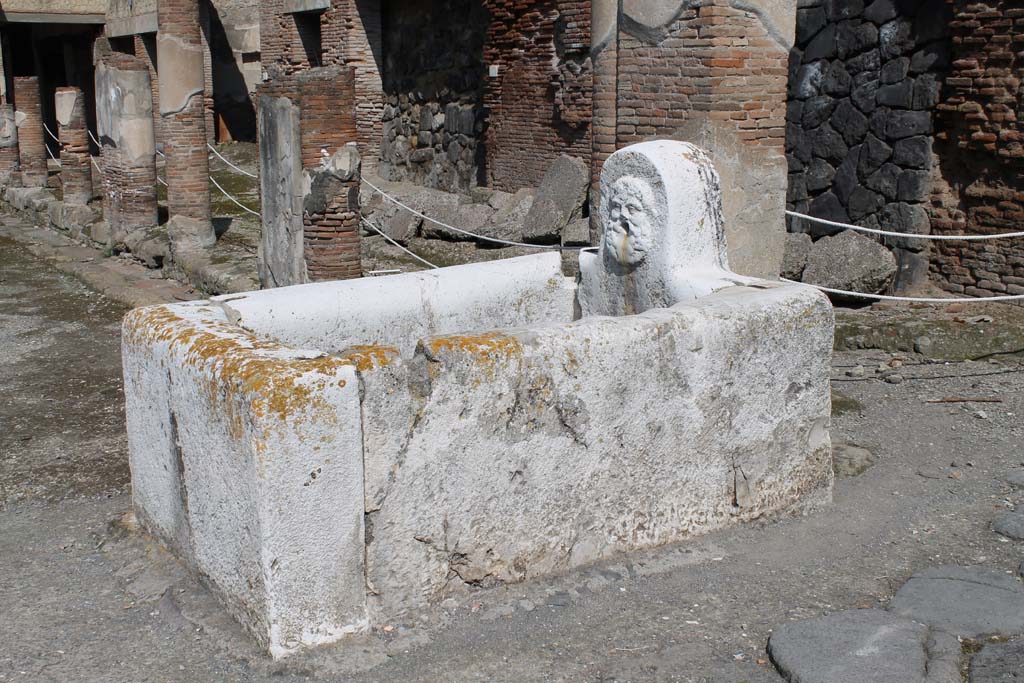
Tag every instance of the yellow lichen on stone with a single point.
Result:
(487, 349)
(238, 373)
(368, 357)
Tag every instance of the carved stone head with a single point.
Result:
(662, 235)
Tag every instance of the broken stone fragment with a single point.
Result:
(559, 199)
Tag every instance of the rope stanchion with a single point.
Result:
(238, 203)
(890, 233)
(496, 240)
(381, 233)
(240, 170)
(912, 299)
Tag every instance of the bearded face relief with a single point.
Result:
(629, 229)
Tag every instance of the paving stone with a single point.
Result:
(1010, 525)
(849, 460)
(998, 663)
(1016, 479)
(794, 256)
(965, 601)
(863, 646)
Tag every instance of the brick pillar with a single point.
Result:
(128, 147)
(75, 171)
(604, 50)
(8, 142)
(182, 108)
(29, 118)
(330, 218)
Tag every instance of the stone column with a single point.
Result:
(75, 171)
(180, 62)
(604, 44)
(28, 116)
(8, 141)
(124, 118)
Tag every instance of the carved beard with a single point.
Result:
(627, 235)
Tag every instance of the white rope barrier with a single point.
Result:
(913, 299)
(889, 233)
(466, 232)
(93, 137)
(51, 155)
(240, 170)
(238, 203)
(381, 233)
(159, 153)
(50, 132)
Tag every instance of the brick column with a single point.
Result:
(604, 51)
(75, 171)
(128, 151)
(29, 118)
(182, 108)
(8, 142)
(330, 218)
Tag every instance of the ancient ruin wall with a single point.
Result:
(434, 80)
(978, 184)
(540, 103)
(863, 85)
(327, 122)
(715, 75)
(346, 33)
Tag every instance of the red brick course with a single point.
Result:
(75, 165)
(31, 144)
(184, 132)
(536, 111)
(326, 101)
(978, 179)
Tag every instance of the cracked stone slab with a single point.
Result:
(1010, 525)
(998, 663)
(863, 646)
(965, 601)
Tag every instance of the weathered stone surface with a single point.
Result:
(913, 186)
(863, 202)
(880, 11)
(281, 261)
(899, 95)
(999, 663)
(810, 20)
(845, 180)
(850, 123)
(794, 258)
(816, 111)
(507, 223)
(863, 646)
(818, 175)
(903, 124)
(1016, 479)
(828, 144)
(863, 96)
(913, 152)
(807, 82)
(1010, 525)
(849, 460)
(851, 262)
(837, 80)
(895, 70)
(873, 154)
(895, 38)
(559, 199)
(827, 206)
(885, 180)
(964, 601)
(822, 46)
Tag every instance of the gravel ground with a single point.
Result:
(84, 597)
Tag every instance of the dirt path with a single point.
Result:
(82, 598)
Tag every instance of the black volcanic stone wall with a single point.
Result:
(864, 79)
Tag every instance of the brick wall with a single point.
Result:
(978, 183)
(145, 49)
(31, 145)
(539, 106)
(348, 33)
(75, 165)
(326, 100)
(129, 188)
(717, 62)
(184, 131)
